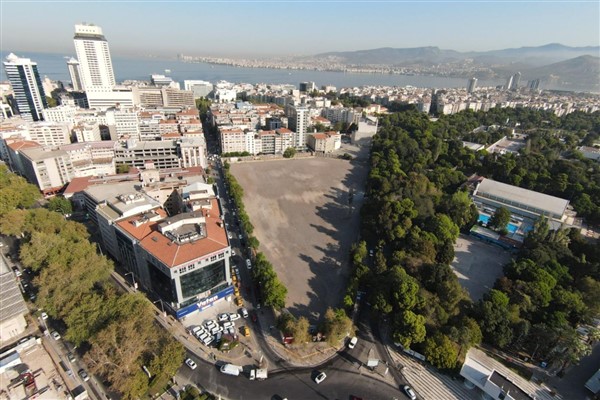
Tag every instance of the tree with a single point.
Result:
(290, 152)
(123, 168)
(494, 318)
(440, 351)
(409, 328)
(500, 219)
(300, 330)
(60, 204)
(51, 101)
(337, 325)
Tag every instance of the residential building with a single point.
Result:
(326, 142)
(50, 133)
(298, 120)
(28, 92)
(61, 114)
(126, 123)
(87, 133)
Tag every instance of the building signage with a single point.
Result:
(204, 303)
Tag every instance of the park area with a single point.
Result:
(305, 223)
(478, 265)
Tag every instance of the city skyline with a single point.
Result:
(243, 28)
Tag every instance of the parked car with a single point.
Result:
(55, 335)
(248, 263)
(244, 312)
(190, 363)
(209, 324)
(320, 378)
(234, 316)
(409, 392)
(44, 316)
(223, 317)
(83, 375)
(246, 331)
(352, 342)
(228, 324)
(71, 357)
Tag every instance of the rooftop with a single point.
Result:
(11, 299)
(205, 229)
(509, 193)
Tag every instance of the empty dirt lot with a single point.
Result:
(300, 212)
(478, 265)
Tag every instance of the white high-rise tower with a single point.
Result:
(94, 58)
(27, 87)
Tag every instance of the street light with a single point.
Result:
(132, 278)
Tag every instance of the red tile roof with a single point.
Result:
(172, 254)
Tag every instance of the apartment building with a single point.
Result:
(50, 133)
(326, 142)
(87, 132)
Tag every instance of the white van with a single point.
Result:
(231, 369)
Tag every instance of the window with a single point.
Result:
(213, 258)
(202, 279)
(222, 255)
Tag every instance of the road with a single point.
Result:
(344, 379)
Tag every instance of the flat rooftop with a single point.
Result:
(508, 194)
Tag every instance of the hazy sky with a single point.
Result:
(297, 27)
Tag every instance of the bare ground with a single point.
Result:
(302, 218)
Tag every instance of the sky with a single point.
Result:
(246, 28)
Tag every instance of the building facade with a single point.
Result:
(30, 98)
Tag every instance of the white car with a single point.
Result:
(228, 324)
(204, 336)
(244, 312)
(216, 330)
(55, 335)
(223, 317)
(190, 363)
(320, 378)
(234, 316)
(210, 324)
(248, 263)
(44, 316)
(208, 340)
(409, 392)
(352, 342)
(232, 253)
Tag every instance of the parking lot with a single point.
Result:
(478, 265)
(301, 214)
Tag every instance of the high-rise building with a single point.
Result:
(29, 95)
(94, 57)
(472, 85)
(75, 73)
(516, 81)
(298, 122)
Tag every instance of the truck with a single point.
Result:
(231, 369)
(258, 373)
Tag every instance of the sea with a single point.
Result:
(54, 66)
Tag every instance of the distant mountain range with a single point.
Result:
(552, 62)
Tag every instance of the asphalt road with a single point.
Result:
(344, 380)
